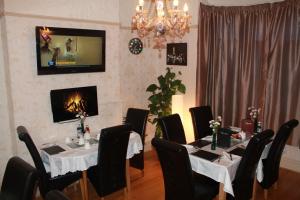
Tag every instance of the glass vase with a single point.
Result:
(255, 122)
(214, 140)
(82, 127)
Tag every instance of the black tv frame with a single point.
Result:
(69, 68)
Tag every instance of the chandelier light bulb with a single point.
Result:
(141, 2)
(137, 8)
(185, 8)
(175, 3)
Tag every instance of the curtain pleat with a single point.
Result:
(250, 56)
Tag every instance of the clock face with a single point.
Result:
(135, 46)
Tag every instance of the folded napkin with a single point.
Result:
(243, 135)
(227, 156)
(207, 138)
(227, 159)
(93, 141)
(189, 148)
(74, 145)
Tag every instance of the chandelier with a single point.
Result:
(162, 20)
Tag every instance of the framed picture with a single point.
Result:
(177, 54)
(69, 50)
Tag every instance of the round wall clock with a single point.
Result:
(135, 46)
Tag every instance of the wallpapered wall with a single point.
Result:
(24, 96)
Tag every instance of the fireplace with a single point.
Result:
(67, 103)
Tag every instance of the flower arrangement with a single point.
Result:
(215, 124)
(254, 112)
(82, 116)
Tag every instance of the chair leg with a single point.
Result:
(265, 193)
(127, 175)
(254, 189)
(222, 194)
(36, 193)
(143, 173)
(85, 184)
(276, 185)
(75, 186)
(125, 193)
(82, 189)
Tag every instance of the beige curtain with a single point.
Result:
(250, 56)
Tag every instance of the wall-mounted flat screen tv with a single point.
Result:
(68, 50)
(67, 103)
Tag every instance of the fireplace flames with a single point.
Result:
(75, 103)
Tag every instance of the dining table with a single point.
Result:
(62, 157)
(219, 164)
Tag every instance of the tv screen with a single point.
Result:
(66, 50)
(67, 103)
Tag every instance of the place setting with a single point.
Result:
(85, 141)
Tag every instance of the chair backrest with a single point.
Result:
(56, 195)
(200, 118)
(112, 153)
(137, 118)
(172, 128)
(19, 180)
(243, 181)
(176, 168)
(272, 162)
(25, 137)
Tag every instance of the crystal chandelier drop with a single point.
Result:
(162, 20)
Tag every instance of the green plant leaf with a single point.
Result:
(172, 75)
(152, 88)
(161, 81)
(154, 99)
(176, 83)
(161, 98)
(181, 88)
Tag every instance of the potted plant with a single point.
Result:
(161, 96)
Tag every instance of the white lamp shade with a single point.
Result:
(177, 104)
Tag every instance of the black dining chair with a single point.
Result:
(109, 175)
(137, 118)
(271, 164)
(245, 174)
(200, 117)
(46, 182)
(172, 128)
(19, 180)
(179, 180)
(56, 195)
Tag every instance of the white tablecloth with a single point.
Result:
(80, 159)
(223, 170)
